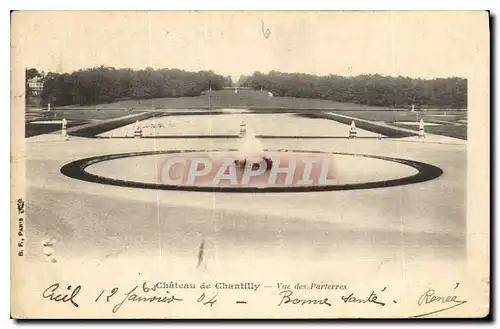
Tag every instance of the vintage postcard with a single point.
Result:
(214, 165)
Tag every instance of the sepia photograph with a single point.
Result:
(250, 164)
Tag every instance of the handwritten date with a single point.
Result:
(134, 297)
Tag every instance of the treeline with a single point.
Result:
(375, 90)
(107, 84)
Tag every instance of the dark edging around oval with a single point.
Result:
(76, 170)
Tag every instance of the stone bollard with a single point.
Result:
(64, 128)
(137, 130)
(421, 129)
(352, 131)
(243, 129)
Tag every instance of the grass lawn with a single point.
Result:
(74, 117)
(223, 99)
(450, 123)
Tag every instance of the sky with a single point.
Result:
(415, 44)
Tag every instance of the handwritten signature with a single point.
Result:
(53, 294)
(430, 297)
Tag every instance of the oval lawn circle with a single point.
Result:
(345, 171)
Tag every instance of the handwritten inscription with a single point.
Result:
(207, 300)
(165, 292)
(136, 297)
(372, 298)
(54, 294)
(430, 297)
(266, 32)
(288, 298)
(288, 295)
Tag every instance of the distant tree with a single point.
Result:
(32, 73)
(373, 90)
(106, 84)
